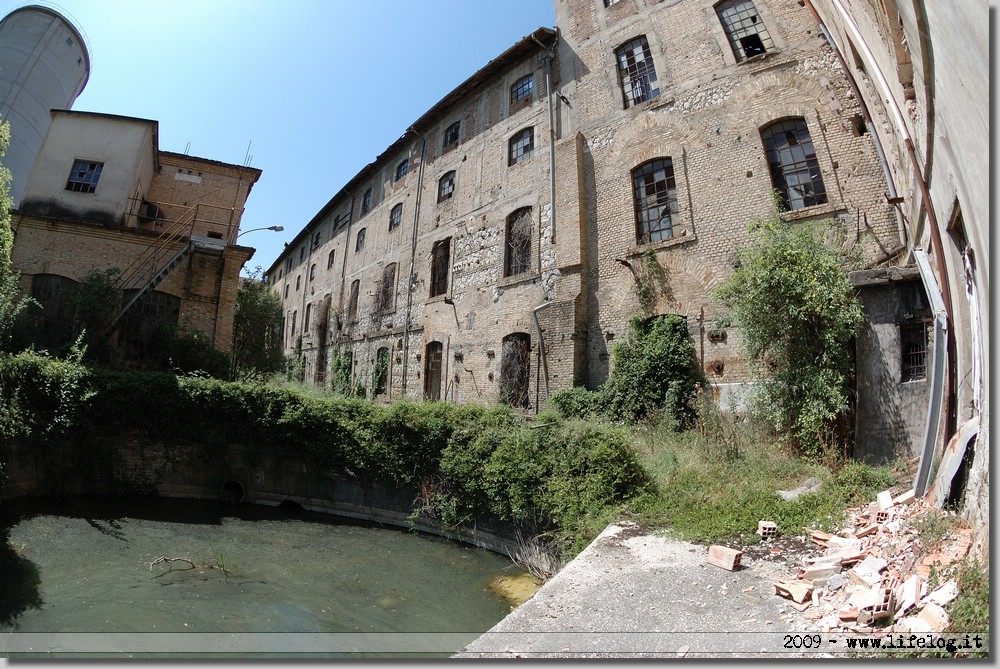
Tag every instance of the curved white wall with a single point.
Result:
(44, 65)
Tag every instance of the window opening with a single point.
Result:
(451, 135)
(446, 186)
(913, 349)
(84, 176)
(366, 202)
(432, 370)
(515, 369)
(440, 263)
(387, 289)
(746, 32)
(305, 320)
(520, 91)
(521, 146)
(359, 242)
(402, 169)
(636, 72)
(352, 301)
(298, 281)
(329, 258)
(380, 380)
(655, 194)
(312, 272)
(396, 217)
(517, 250)
(794, 167)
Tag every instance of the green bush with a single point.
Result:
(41, 395)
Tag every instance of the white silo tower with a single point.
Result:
(44, 65)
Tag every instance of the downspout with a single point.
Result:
(343, 277)
(938, 374)
(413, 257)
(547, 58)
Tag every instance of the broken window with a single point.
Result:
(316, 238)
(794, 167)
(402, 168)
(636, 72)
(446, 186)
(913, 349)
(608, 3)
(744, 28)
(517, 250)
(84, 176)
(432, 370)
(440, 264)
(359, 242)
(352, 301)
(380, 375)
(366, 202)
(515, 369)
(521, 146)
(451, 135)
(655, 194)
(385, 301)
(520, 92)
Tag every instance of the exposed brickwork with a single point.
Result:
(706, 119)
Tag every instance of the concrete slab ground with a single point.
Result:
(634, 595)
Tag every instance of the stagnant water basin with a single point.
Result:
(250, 580)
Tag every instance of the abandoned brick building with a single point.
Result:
(494, 250)
(101, 195)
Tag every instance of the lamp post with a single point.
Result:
(276, 228)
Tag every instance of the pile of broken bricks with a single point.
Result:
(870, 572)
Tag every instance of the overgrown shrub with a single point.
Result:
(41, 395)
(797, 313)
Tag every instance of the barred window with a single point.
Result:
(396, 217)
(913, 351)
(451, 135)
(84, 176)
(517, 249)
(746, 32)
(794, 167)
(655, 194)
(521, 146)
(366, 202)
(636, 72)
(440, 264)
(446, 186)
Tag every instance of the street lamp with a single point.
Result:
(276, 228)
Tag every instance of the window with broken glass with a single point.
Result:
(451, 135)
(84, 176)
(521, 146)
(792, 159)
(396, 217)
(517, 249)
(636, 72)
(655, 194)
(744, 28)
(446, 186)
(515, 369)
(402, 169)
(366, 202)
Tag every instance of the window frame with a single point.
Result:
(386, 295)
(524, 141)
(359, 240)
(440, 267)
(740, 23)
(447, 180)
(641, 72)
(84, 176)
(331, 258)
(396, 216)
(352, 301)
(517, 258)
(402, 169)
(649, 196)
(806, 163)
(522, 92)
(366, 202)
(452, 135)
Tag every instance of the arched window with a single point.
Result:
(359, 241)
(396, 217)
(446, 186)
(745, 30)
(352, 301)
(155, 313)
(636, 72)
(386, 296)
(440, 264)
(515, 369)
(517, 246)
(655, 195)
(794, 168)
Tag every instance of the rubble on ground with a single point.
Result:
(874, 569)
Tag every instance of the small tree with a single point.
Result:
(11, 302)
(96, 301)
(256, 351)
(797, 314)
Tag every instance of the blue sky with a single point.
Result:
(313, 90)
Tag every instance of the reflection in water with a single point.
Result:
(95, 566)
